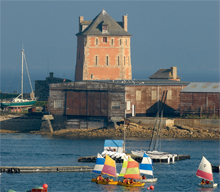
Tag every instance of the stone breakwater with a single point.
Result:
(137, 131)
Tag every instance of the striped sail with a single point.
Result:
(205, 170)
(146, 166)
(124, 167)
(132, 170)
(109, 167)
(99, 164)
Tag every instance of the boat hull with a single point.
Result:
(213, 185)
(95, 180)
(136, 184)
(107, 183)
(148, 180)
(18, 104)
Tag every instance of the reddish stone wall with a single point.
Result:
(200, 103)
(93, 64)
(149, 103)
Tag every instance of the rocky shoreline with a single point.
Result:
(132, 130)
(137, 131)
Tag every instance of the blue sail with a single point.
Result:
(99, 164)
(146, 165)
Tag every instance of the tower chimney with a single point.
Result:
(81, 19)
(174, 72)
(125, 22)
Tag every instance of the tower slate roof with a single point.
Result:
(95, 28)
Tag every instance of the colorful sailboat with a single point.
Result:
(205, 172)
(124, 166)
(132, 172)
(98, 166)
(109, 168)
(146, 167)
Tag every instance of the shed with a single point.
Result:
(114, 145)
(200, 98)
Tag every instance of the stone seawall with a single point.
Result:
(20, 123)
(208, 123)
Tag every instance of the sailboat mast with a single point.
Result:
(22, 60)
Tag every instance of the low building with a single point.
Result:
(42, 86)
(111, 101)
(200, 98)
(166, 74)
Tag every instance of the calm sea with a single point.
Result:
(37, 150)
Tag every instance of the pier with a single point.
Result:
(138, 159)
(15, 169)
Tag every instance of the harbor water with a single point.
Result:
(37, 150)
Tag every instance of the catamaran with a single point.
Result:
(146, 167)
(19, 101)
(205, 172)
(153, 152)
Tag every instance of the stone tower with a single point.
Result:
(103, 49)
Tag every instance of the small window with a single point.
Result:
(124, 60)
(153, 95)
(104, 39)
(118, 61)
(91, 76)
(128, 105)
(126, 41)
(116, 105)
(120, 41)
(96, 60)
(112, 41)
(97, 41)
(107, 60)
(104, 28)
(58, 104)
(169, 95)
(138, 95)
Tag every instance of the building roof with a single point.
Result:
(163, 74)
(95, 28)
(148, 82)
(202, 87)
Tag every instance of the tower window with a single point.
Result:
(118, 61)
(104, 28)
(97, 41)
(96, 60)
(107, 60)
(120, 41)
(104, 39)
(112, 41)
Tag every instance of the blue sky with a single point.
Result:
(184, 34)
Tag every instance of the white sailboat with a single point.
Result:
(19, 101)
(146, 167)
(205, 172)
